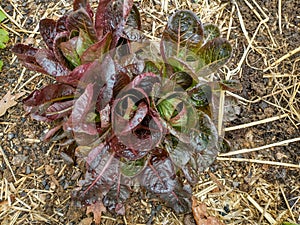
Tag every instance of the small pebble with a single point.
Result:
(28, 170)
(10, 136)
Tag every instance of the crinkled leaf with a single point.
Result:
(50, 93)
(97, 50)
(80, 19)
(100, 20)
(77, 4)
(158, 176)
(77, 120)
(47, 28)
(102, 170)
(201, 98)
(111, 16)
(201, 216)
(75, 76)
(26, 55)
(125, 152)
(212, 56)
(49, 63)
(180, 153)
(177, 111)
(107, 78)
(68, 49)
(184, 29)
(96, 207)
(114, 200)
(211, 32)
(8, 101)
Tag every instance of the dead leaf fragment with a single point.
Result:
(8, 101)
(200, 214)
(96, 208)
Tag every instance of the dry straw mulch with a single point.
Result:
(240, 188)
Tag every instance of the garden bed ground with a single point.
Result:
(258, 185)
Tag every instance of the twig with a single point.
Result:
(260, 148)
(261, 210)
(259, 161)
(267, 120)
(279, 16)
(296, 50)
(287, 204)
(7, 163)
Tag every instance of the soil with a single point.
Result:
(37, 180)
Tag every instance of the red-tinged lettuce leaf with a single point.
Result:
(184, 29)
(122, 151)
(59, 110)
(50, 111)
(77, 4)
(159, 175)
(159, 178)
(97, 50)
(49, 63)
(47, 28)
(146, 82)
(83, 42)
(211, 32)
(61, 24)
(77, 120)
(122, 79)
(60, 38)
(50, 93)
(75, 76)
(68, 49)
(213, 55)
(205, 146)
(116, 197)
(180, 153)
(26, 54)
(80, 19)
(111, 16)
(134, 18)
(52, 132)
(102, 171)
(106, 81)
(100, 21)
(180, 200)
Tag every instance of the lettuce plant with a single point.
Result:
(139, 112)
